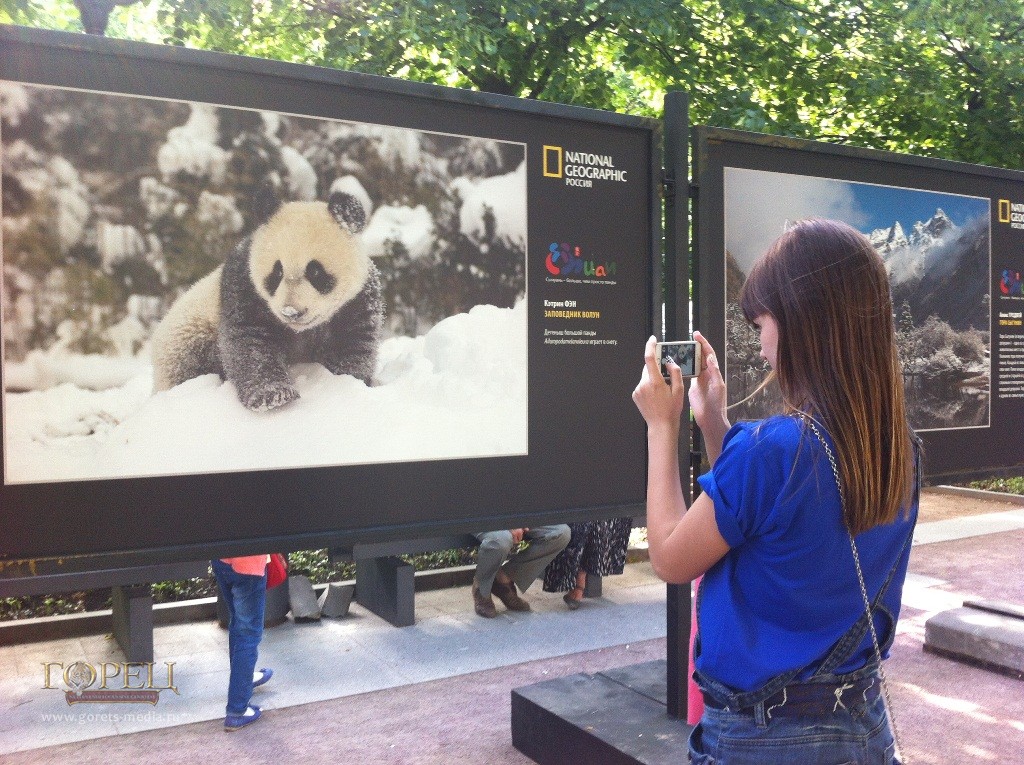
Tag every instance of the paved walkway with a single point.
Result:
(360, 690)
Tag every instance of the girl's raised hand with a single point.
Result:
(659, 403)
(707, 396)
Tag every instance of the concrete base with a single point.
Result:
(386, 587)
(132, 621)
(987, 634)
(335, 600)
(616, 717)
(302, 600)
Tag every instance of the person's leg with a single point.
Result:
(560, 573)
(248, 601)
(224, 575)
(574, 597)
(494, 548)
(605, 551)
(545, 543)
(881, 737)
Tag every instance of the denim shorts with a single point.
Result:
(859, 735)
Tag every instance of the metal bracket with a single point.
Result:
(668, 183)
(695, 460)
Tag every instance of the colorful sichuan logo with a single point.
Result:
(567, 260)
(1011, 283)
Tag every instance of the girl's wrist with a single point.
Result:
(716, 427)
(668, 430)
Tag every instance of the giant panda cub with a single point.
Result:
(299, 289)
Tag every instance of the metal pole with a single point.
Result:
(677, 325)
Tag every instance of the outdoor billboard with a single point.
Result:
(248, 303)
(951, 248)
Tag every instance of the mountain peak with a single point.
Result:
(927, 232)
(905, 256)
(888, 239)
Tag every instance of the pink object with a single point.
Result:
(694, 701)
(254, 565)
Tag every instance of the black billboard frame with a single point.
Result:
(709, 237)
(40, 57)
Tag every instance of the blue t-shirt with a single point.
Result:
(787, 589)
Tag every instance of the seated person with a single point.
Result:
(519, 571)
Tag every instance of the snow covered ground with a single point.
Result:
(458, 391)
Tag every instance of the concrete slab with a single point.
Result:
(971, 526)
(997, 607)
(335, 600)
(982, 637)
(617, 717)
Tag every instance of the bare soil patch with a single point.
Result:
(937, 505)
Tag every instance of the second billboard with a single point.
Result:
(936, 227)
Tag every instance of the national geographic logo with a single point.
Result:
(552, 161)
(109, 683)
(580, 168)
(1012, 213)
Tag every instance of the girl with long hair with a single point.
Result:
(804, 523)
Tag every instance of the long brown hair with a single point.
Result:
(837, 361)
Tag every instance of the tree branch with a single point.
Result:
(960, 54)
(1006, 36)
(95, 14)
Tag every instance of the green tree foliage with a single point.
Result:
(932, 77)
(977, 52)
(557, 50)
(37, 13)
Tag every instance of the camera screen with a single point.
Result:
(682, 354)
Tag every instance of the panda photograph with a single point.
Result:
(299, 289)
(193, 288)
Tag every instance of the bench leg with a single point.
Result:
(386, 587)
(593, 588)
(133, 621)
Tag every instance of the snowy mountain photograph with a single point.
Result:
(936, 250)
(114, 206)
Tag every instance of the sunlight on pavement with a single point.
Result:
(960, 706)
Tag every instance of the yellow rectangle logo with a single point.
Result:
(552, 161)
(1004, 210)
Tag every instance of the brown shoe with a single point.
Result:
(574, 597)
(483, 604)
(505, 589)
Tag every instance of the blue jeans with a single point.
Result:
(245, 596)
(859, 735)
